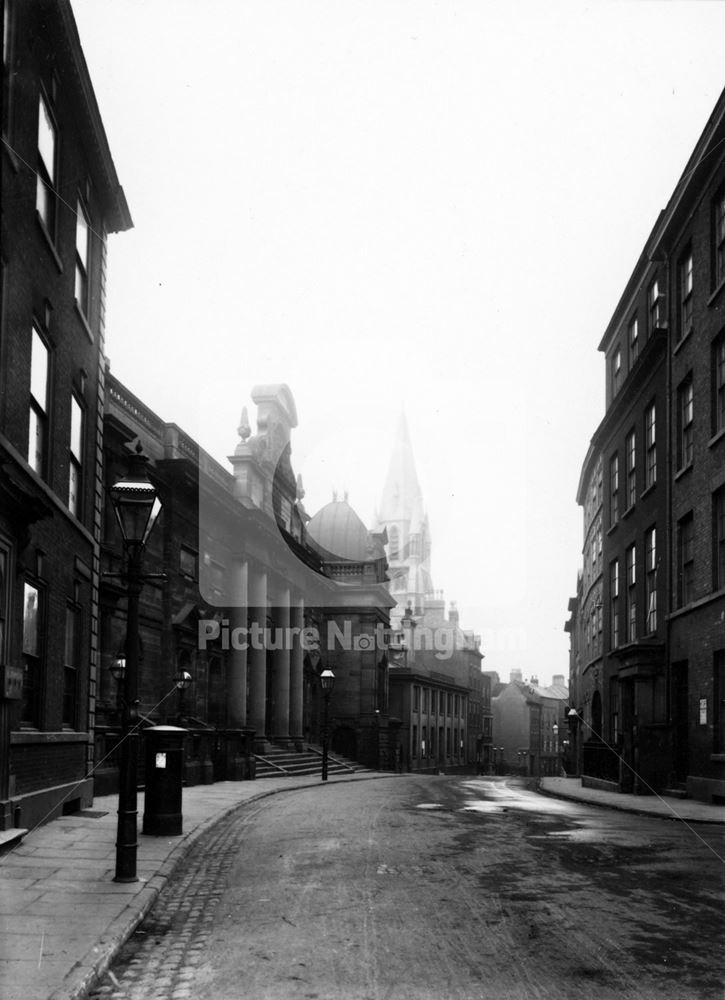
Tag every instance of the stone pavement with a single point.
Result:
(63, 918)
(665, 806)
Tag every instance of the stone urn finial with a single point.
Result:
(244, 430)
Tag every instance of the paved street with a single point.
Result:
(434, 887)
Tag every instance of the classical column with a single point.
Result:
(281, 661)
(237, 677)
(297, 621)
(257, 655)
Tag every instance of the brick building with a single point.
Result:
(649, 693)
(61, 198)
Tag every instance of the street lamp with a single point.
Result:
(327, 680)
(118, 672)
(137, 506)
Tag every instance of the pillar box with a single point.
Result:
(164, 769)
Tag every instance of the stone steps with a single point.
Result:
(280, 762)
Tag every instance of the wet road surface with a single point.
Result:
(435, 888)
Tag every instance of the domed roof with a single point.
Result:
(338, 529)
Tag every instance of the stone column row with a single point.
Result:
(248, 666)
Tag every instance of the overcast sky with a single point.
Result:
(422, 205)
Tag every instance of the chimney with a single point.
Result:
(558, 679)
(534, 682)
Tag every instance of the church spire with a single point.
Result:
(402, 498)
(401, 512)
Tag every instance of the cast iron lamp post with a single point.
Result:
(137, 507)
(327, 680)
(573, 718)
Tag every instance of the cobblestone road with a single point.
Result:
(159, 961)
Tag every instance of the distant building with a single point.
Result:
(61, 198)
(648, 677)
(530, 726)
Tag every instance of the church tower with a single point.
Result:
(402, 514)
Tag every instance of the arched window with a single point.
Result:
(393, 544)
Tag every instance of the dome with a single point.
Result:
(338, 529)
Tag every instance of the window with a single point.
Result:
(76, 457)
(71, 663)
(631, 564)
(685, 414)
(718, 538)
(614, 489)
(685, 560)
(39, 363)
(416, 698)
(433, 695)
(633, 340)
(654, 317)
(614, 605)
(631, 470)
(616, 371)
(187, 562)
(650, 581)
(685, 271)
(393, 545)
(719, 248)
(718, 384)
(45, 190)
(32, 646)
(650, 444)
(82, 255)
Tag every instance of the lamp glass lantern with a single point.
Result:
(118, 668)
(136, 504)
(327, 680)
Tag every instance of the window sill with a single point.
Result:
(716, 438)
(717, 758)
(695, 605)
(683, 471)
(648, 490)
(610, 531)
(682, 341)
(716, 293)
(628, 511)
(84, 322)
(49, 240)
(38, 736)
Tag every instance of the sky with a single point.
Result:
(422, 206)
